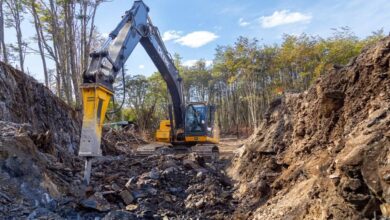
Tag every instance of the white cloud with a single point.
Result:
(197, 39)
(283, 17)
(141, 66)
(171, 35)
(209, 62)
(243, 23)
(191, 63)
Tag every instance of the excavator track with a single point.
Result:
(208, 151)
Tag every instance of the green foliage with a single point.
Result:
(146, 100)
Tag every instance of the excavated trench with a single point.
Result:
(321, 154)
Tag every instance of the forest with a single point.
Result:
(241, 81)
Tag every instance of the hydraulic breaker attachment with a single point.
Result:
(95, 104)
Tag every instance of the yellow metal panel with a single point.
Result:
(203, 139)
(165, 125)
(95, 103)
(163, 134)
(196, 138)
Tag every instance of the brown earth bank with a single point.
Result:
(324, 153)
(321, 154)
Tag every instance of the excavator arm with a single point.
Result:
(97, 88)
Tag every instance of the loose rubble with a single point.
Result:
(163, 185)
(35, 184)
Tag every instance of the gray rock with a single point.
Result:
(175, 190)
(169, 170)
(126, 197)
(115, 187)
(152, 191)
(139, 194)
(120, 215)
(97, 202)
(154, 174)
(14, 167)
(43, 213)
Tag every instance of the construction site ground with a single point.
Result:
(320, 154)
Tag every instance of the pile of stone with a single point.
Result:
(159, 186)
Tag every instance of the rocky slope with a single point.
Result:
(324, 153)
(24, 100)
(38, 141)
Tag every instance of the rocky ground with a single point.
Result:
(34, 184)
(321, 154)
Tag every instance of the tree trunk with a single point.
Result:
(2, 43)
(15, 7)
(19, 39)
(71, 41)
(39, 38)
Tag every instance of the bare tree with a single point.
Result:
(38, 29)
(14, 19)
(2, 40)
(71, 46)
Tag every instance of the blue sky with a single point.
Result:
(193, 29)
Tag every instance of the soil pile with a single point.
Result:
(325, 153)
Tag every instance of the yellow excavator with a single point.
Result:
(190, 126)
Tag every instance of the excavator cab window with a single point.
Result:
(196, 119)
(211, 120)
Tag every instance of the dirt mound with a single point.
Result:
(325, 153)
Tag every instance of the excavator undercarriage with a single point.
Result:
(209, 152)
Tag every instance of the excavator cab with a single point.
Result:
(200, 123)
(199, 126)
(200, 134)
